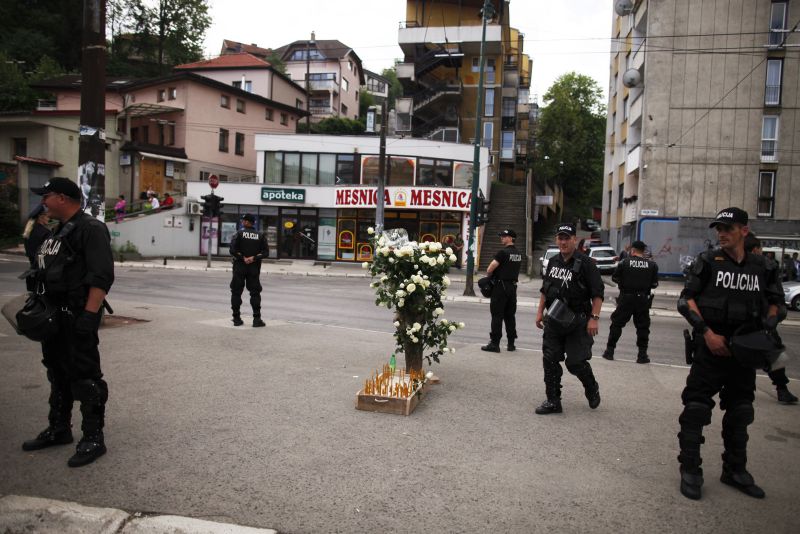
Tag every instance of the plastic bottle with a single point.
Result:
(392, 363)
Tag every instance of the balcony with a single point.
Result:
(524, 108)
(468, 36)
(633, 160)
(769, 151)
(321, 110)
(324, 86)
(630, 211)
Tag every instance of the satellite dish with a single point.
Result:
(632, 78)
(623, 7)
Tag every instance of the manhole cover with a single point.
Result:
(113, 321)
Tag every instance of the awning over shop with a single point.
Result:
(38, 161)
(168, 158)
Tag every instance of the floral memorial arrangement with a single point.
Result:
(412, 280)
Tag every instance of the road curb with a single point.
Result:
(19, 513)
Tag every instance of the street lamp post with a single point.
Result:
(487, 12)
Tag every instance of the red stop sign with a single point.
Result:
(213, 181)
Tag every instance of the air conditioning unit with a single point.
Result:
(194, 208)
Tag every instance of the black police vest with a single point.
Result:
(509, 269)
(55, 261)
(734, 294)
(568, 283)
(248, 242)
(637, 274)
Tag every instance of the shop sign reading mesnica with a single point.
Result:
(405, 197)
(283, 194)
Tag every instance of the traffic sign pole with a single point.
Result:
(213, 181)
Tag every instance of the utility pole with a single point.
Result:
(92, 133)
(379, 203)
(487, 12)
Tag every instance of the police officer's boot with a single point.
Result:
(552, 387)
(734, 459)
(609, 353)
(491, 347)
(59, 429)
(694, 417)
(92, 395)
(642, 357)
(237, 319)
(511, 347)
(590, 386)
(258, 322)
(785, 396)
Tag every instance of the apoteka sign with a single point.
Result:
(282, 194)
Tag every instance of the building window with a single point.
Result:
(240, 105)
(239, 147)
(224, 101)
(223, 140)
(19, 147)
(345, 85)
(300, 55)
(345, 170)
(349, 65)
(507, 145)
(172, 93)
(769, 139)
(204, 176)
(437, 173)
(620, 192)
(772, 92)
(273, 167)
(327, 169)
(284, 119)
(162, 95)
(308, 173)
(488, 103)
(268, 114)
(299, 103)
(248, 85)
(401, 171)
(489, 68)
(509, 106)
(624, 109)
(170, 134)
(766, 193)
(488, 135)
(777, 23)
(291, 167)
(344, 110)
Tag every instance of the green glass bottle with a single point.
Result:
(392, 363)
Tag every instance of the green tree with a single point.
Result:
(365, 100)
(571, 141)
(277, 63)
(169, 33)
(395, 87)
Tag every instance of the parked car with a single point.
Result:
(589, 224)
(604, 256)
(549, 253)
(791, 294)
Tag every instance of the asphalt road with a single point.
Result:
(349, 303)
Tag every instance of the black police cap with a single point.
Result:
(730, 216)
(639, 245)
(61, 186)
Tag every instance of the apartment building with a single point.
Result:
(441, 43)
(702, 111)
(334, 71)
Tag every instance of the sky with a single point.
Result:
(560, 35)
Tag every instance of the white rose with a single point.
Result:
(415, 339)
(381, 304)
(400, 293)
(397, 323)
(391, 260)
(461, 325)
(411, 288)
(452, 328)
(445, 322)
(365, 265)
(446, 281)
(416, 326)
(370, 230)
(384, 278)
(429, 375)
(440, 260)
(448, 251)
(453, 350)
(437, 312)
(416, 266)
(400, 303)
(453, 257)
(382, 241)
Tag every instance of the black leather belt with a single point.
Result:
(636, 293)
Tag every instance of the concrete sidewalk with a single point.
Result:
(258, 427)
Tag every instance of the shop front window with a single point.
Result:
(291, 168)
(345, 170)
(401, 171)
(273, 165)
(327, 169)
(462, 177)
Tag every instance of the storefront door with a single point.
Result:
(298, 234)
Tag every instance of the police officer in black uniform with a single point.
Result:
(504, 269)
(75, 272)
(572, 293)
(635, 276)
(248, 248)
(779, 379)
(726, 290)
